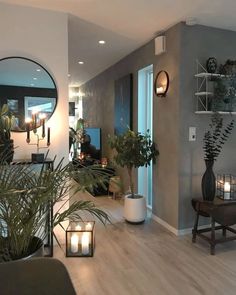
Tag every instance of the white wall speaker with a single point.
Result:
(160, 45)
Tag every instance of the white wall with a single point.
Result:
(41, 36)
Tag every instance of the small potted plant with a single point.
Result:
(134, 150)
(7, 121)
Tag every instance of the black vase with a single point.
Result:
(209, 182)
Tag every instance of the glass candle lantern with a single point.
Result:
(226, 186)
(80, 239)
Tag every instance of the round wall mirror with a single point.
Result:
(28, 89)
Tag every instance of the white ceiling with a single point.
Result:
(125, 25)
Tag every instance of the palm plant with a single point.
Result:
(7, 121)
(25, 195)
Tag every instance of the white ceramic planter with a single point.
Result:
(135, 209)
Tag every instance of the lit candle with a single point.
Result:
(74, 243)
(27, 122)
(88, 226)
(48, 139)
(227, 190)
(85, 244)
(34, 119)
(42, 122)
(160, 89)
(78, 227)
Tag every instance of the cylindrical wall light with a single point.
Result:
(161, 84)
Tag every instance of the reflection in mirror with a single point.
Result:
(27, 88)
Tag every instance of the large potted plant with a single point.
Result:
(7, 121)
(213, 142)
(133, 150)
(25, 195)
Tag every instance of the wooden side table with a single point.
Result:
(220, 211)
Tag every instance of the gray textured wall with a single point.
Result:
(180, 166)
(99, 111)
(199, 42)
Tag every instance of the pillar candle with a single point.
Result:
(227, 190)
(85, 243)
(74, 243)
(48, 139)
(27, 123)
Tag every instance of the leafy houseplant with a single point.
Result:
(213, 142)
(133, 150)
(7, 121)
(25, 195)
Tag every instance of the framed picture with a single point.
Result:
(123, 104)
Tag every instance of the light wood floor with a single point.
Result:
(147, 259)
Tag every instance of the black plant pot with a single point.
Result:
(209, 182)
(35, 249)
(7, 151)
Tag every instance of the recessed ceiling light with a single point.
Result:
(81, 62)
(68, 75)
(101, 42)
(38, 70)
(34, 78)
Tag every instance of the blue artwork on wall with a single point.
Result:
(123, 104)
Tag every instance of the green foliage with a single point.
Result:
(7, 121)
(215, 138)
(133, 150)
(25, 196)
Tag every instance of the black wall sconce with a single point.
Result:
(161, 84)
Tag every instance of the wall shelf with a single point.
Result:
(208, 100)
(211, 112)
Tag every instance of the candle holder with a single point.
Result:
(31, 125)
(80, 239)
(226, 187)
(104, 162)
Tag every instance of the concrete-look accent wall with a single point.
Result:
(199, 42)
(98, 108)
(166, 133)
(41, 36)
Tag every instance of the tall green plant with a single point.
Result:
(133, 150)
(24, 199)
(216, 137)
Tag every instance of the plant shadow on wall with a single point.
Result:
(25, 195)
(213, 142)
(134, 150)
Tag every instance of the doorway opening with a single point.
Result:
(145, 122)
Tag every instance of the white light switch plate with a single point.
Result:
(192, 133)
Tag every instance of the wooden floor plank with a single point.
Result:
(146, 259)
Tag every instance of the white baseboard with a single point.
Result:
(177, 232)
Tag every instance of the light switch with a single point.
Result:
(192, 133)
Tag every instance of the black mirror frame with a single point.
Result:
(38, 64)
